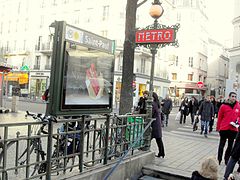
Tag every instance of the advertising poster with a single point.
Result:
(87, 77)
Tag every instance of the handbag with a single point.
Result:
(196, 121)
(178, 116)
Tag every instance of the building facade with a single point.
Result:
(188, 63)
(233, 83)
(26, 38)
(218, 65)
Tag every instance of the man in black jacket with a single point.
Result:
(142, 103)
(166, 108)
(206, 111)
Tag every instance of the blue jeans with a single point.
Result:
(230, 166)
(166, 117)
(204, 126)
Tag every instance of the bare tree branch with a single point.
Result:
(141, 3)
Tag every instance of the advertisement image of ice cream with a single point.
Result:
(94, 82)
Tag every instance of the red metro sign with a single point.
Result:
(155, 36)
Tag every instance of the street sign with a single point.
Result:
(155, 36)
(200, 84)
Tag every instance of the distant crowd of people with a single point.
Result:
(227, 113)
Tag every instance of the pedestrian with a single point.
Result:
(45, 95)
(142, 103)
(220, 101)
(184, 110)
(156, 125)
(208, 171)
(206, 111)
(211, 123)
(166, 108)
(1, 142)
(193, 108)
(228, 112)
(234, 158)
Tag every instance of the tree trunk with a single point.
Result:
(126, 100)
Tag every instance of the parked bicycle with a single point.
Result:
(35, 145)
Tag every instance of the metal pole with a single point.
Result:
(49, 150)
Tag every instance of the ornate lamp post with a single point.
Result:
(153, 37)
(156, 11)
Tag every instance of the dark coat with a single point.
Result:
(166, 106)
(156, 125)
(236, 148)
(142, 105)
(197, 176)
(206, 110)
(193, 106)
(184, 108)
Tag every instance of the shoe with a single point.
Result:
(205, 135)
(159, 156)
(201, 132)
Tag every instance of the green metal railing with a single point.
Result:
(43, 149)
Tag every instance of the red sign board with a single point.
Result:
(155, 36)
(200, 84)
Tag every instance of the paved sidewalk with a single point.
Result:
(184, 153)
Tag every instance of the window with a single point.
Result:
(190, 77)
(19, 7)
(174, 76)
(200, 78)
(105, 13)
(39, 42)
(7, 46)
(23, 62)
(16, 28)
(54, 2)
(26, 24)
(43, 4)
(186, 3)
(37, 62)
(15, 45)
(143, 64)
(41, 21)
(9, 26)
(204, 79)
(90, 13)
(190, 61)
(178, 16)
(48, 63)
(176, 61)
(104, 33)
(24, 45)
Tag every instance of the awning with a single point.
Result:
(5, 69)
(22, 78)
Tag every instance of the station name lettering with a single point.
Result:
(96, 42)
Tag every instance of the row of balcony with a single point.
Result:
(44, 47)
(46, 67)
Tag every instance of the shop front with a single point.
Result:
(39, 82)
(18, 80)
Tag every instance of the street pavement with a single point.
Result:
(184, 148)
